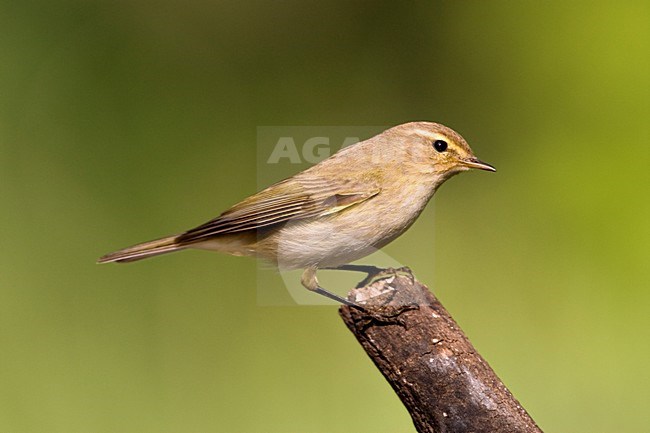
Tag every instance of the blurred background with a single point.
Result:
(122, 121)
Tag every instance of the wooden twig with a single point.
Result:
(446, 386)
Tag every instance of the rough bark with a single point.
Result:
(446, 386)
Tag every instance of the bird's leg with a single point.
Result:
(310, 282)
(366, 269)
(373, 273)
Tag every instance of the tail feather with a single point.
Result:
(143, 250)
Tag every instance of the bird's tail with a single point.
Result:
(144, 250)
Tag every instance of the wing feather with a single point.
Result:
(292, 199)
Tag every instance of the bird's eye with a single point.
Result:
(440, 145)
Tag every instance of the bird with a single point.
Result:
(335, 212)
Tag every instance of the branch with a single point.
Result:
(444, 383)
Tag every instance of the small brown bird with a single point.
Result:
(337, 211)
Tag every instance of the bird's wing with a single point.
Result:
(291, 199)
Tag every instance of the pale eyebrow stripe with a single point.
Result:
(426, 133)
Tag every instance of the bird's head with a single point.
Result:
(436, 149)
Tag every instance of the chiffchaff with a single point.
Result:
(335, 212)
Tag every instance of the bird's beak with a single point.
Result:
(475, 163)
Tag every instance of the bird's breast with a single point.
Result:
(350, 234)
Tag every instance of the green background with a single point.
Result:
(121, 121)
